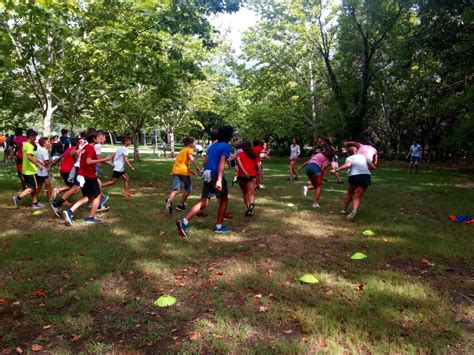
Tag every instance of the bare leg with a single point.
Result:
(79, 203)
(243, 187)
(222, 208)
(113, 181)
(348, 197)
(25, 192)
(125, 185)
(184, 197)
(198, 207)
(47, 184)
(251, 185)
(317, 182)
(359, 192)
(94, 206)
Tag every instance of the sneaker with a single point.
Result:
(227, 215)
(92, 220)
(343, 211)
(339, 182)
(37, 206)
(249, 211)
(351, 216)
(169, 206)
(56, 210)
(105, 198)
(290, 178)
(183, 229)
(305, 191)
(222, 230)
(296, 177)
(68, 216)
(234, 180)
(262, 187)
(181, 207)
(103, 208)
(316, 205)
(54, 194)
(16, 201)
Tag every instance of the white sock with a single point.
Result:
(218, 226)
(185, 221)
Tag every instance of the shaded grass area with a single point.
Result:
(91, 288)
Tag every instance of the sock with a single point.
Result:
(18, 198)
(35, 203)
(218, 226)
(185, 221)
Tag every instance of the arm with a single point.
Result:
(125, 159)
(90, 161)
(220, 173)
(32, 159)
(372, 166)
(241, 167)
(191, 158)
(302, 166)
(204, 163)
(343, 167)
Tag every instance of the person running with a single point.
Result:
(295, 152)
(315, 168)
(88, 180)
(29, 170)
(233, 161)
(67, 163)
(65, 140)
(247, 175)
(181, 174)
(415, 152)
(214, 182)
(120, 159)
(18, 141)
(42, 156)
(367, 150)
(56, 153)
(359, 180)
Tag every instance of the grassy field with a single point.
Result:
(91, 288)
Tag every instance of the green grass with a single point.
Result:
(239, 292)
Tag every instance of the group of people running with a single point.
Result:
(79, 161)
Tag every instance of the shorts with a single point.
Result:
(245, 178)
(362, 180)
(233, 163)
(415, 158)
(209, 188)
(41, 179)
(31, 181)
(313, 169)
(65, 176)
(294, 160)
(91, 187)
(117, 174)
(19, 164)
(2, 145)
(177, 179)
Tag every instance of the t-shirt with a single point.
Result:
(78, 160)
(66, 140)
(248, 163)
(119, 160)
(28, 168)
(181, 164)
(367, 151)
(87, 170)
(359, 165)
(98, 149)
(56, 149)
(19, 140)
(258, 151)
(214, 154)
(319, 159)
(294, 151)
(42, 155)
(415, 150)
(68, 161)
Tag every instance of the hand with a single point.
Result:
(219, 185)
(333, 171)
(133, 169)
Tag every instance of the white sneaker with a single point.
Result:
(316, 205)
(169, 206)
(262, 186)
(343, 211)
(37, 206)
(305, 191)
(103, 208)
(351, 216)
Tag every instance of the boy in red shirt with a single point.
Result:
(87, 178)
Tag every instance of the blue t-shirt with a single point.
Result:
(66, 140)
(214, 154)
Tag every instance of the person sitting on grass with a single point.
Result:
(181, 173)
(247, 175)
(415, 152)
(359, 180)
(120, 158)
(42, 156)
(29, 171)
(214, 182)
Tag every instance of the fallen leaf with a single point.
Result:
(41, 293)
(48, 326)
(426, 261)
(42, 304)
(219, 273)
(269, 260)
(270, 272)
(258, 295)
(210, 269)
(195, 336)
(150, 343)
(6, 351)
(36, 347)
(361, 287)
(131, 273)
(263, 309)
(3, 302)
(16, 303)
(261, 245)
(75, 337)
(77, 298)
(288, 331)
(19, 350)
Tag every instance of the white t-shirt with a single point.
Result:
(78, 161)
(42, 155)
(98, 149)
(359, 165)
(294, 151)
(119, 160)
(415, 150)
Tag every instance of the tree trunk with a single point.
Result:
(171, 141)
(111, 138)
(313, 100)
(136, 145)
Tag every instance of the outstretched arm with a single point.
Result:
(302, 166)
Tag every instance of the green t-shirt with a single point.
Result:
(28, 167)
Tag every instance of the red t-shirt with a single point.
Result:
(258, 150)
(87, 170)
(248, 164)
(19, 140)
(68, 161)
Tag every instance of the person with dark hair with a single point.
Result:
(233, 161)
(29, 171)
(18, 143)
(247, 175)
(120, 159)
(295, 152)
(65, 140)
(367, 150)
(214, 182)
(67, 161)
(42, 156)
(259, 147)
(181, 174)
(359, 180)
(415, 152)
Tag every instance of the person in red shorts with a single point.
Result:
(247, 175)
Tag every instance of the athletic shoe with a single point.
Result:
(262, 186)
(305, 191)
(92, 220)
(56, 210)
(183, 229)
(16, 201)
(169, 206)
(37, 206)
(103, 208)
(105, 198)
(343, 211)
(234, 180)
(316, 205)
(68, 216)
(54, 194)
(227, 215)
(181, 207)
(249, 211)
(339, 182)
(290, 178)
(296, 177)
(325, 180)
(351, 216)
(222, 230)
